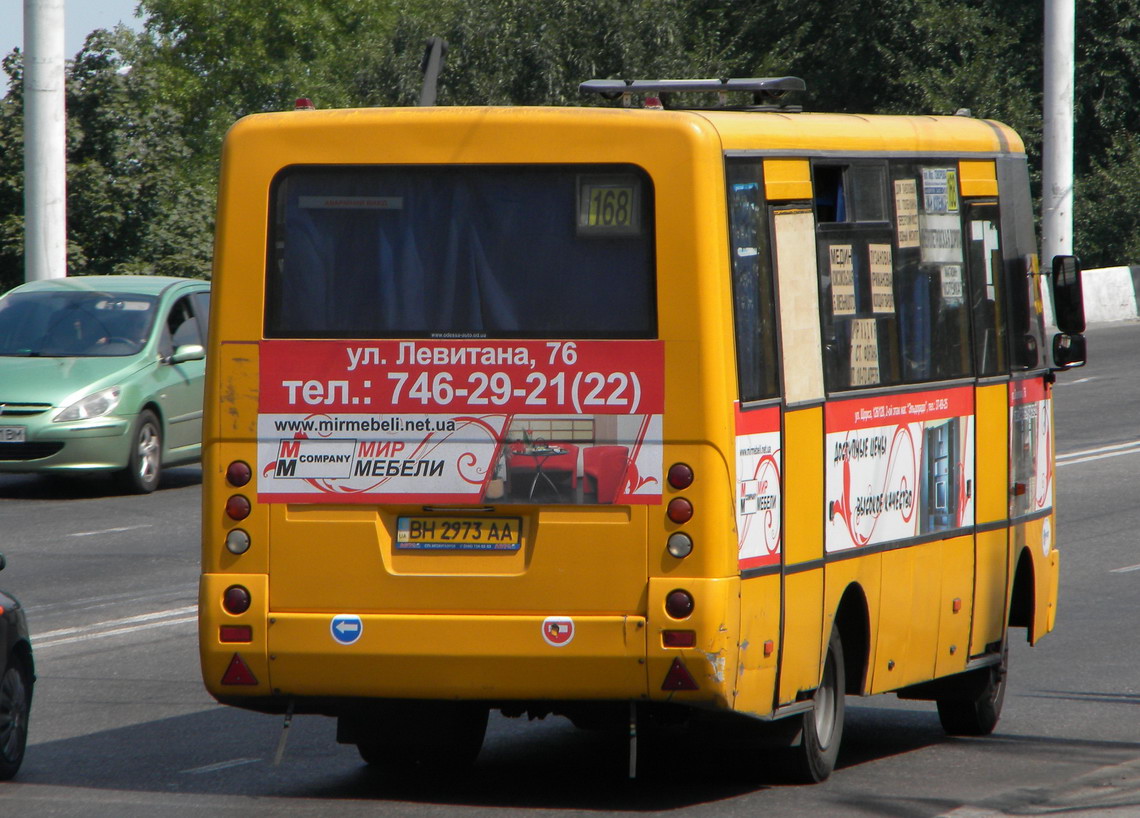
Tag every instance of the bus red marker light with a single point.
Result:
(236, 600)
(678, 677)
(238, 673)
(680, 476)
(238, 473)
(304, 104)
(679, 604)
(678, 639)
(235, 633)
(679, 510)
(237, 507)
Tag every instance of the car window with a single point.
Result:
(202, 308)
(74, 324)
(181, 327)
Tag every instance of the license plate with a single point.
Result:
(458, 533)
(13, 434)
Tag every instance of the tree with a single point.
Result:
(135, 201)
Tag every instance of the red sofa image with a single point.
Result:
(521, 467)
(603, 471)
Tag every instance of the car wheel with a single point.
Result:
(15, 704)
(975, 708)
(144, 461)
(814, 759)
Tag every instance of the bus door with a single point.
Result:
(803, 637)
(991, 360)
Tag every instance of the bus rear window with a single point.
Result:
(562, 251)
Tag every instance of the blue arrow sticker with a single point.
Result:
(346, 628)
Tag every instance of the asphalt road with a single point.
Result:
(121, 724)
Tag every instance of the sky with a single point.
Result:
(80, 18)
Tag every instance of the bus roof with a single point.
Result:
(541, 130)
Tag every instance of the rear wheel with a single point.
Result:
(414, 736)
(974, 709)
(822, 726)
(144, 461)
(15, 705)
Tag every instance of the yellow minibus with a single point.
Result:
(626, 413)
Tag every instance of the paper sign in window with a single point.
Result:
(939, 190)
(952, 284)
(941, 238)
(882, 279)
(842, 265)
(864, 352)
(906, 212)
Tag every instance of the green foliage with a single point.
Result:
(147, 112)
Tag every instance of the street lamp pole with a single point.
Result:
(1057, 135)
(45, 147)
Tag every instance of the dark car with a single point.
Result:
(17, 676)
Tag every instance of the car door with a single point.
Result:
(180, 384)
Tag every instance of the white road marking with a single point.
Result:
(110, 530)
(1125, 569)
(115, 627)
(1098, 453)
(221, 765)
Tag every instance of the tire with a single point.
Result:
(144, 461)
(425, 737)
(822, 726)
(976, 708)
(15, 705)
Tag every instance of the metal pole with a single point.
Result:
(45, 151)
(1057, 136)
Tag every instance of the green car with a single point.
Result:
(103, 374)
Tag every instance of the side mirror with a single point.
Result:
(1068, 351)
(187, 352)
(1068, 297)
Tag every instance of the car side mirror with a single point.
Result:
(1068, 296)
(1068, 351)
(187, 352)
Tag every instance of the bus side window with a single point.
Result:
(857, 275)
(987, 289)
(754, 308)
(930, 276)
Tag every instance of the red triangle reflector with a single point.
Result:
(238, 673)
(679, 678)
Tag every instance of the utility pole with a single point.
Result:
(1057, 135)
(45, 147)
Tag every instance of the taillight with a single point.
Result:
(238, 473)
(680, 476)
(235, 633)
(679, 510)
(679, 604)
(678, 639)
(236, 600)
(237, 507)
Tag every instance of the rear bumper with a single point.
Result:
(486, 657)
(420, 656)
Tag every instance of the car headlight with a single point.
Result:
(94, 405)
